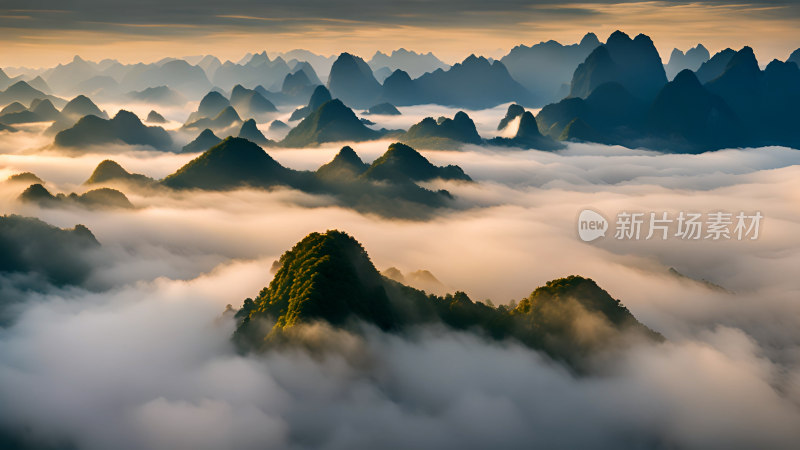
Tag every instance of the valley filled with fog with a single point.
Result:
(123, 285)
(142, 343)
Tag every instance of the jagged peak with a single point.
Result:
(617, 37)
(589, 39)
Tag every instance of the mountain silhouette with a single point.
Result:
(546, 68)
(39, 111)
(308, 70)
(767, 102)
(251, 132)
(82, 106)
(414, 63)
(331, 122)
(250, 103)
(474, 83)
(66, 77)
(610, 112)
(714, 67)
(320, 96)
(400, 89)
(154, 117)
(23, 93)
(159, 95)
(5, 80)
(39, 84)
(179, 75)
(402, 163)
(45, 109)
(385, 109)
(692, 60)
(205, 140)
(389, 190)
(234, 162)
(514, 111)
(227, 118)
(33, 247)
(577, 130)
(684, 110)
(102, 198)
(111, 171)
(739, 84)
(794, 57)
(210, 106)
(125, 128)
(14, 107)
(346, 164)
(297, 83)
(27, 178)
(352, 81)
(633, 63)
(527, 136)
(256, 70)
(443, 133)
(278, 126)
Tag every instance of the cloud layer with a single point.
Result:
(140, 356)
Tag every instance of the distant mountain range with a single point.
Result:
(415, 64)
(545, 69)
(618, 92)
(474, 83)
(692, 60)
(737, 105)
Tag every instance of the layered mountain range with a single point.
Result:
(616, 92)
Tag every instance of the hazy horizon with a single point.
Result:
(47, 36)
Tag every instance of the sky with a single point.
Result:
(45, 32)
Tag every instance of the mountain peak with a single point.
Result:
(686, 78)
(81, 106)
(251, 132)
(346, 163)
(320, 96)
(401, 163)
(205, 140)
(352, 80)
(589, 39)
(232, 163)
(514, 111)
(617, 37)
(528, 129)
(326, 276)
(331, 122)
(109, 170)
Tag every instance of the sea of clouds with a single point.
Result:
(140, 355)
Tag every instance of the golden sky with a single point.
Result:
(38, 38)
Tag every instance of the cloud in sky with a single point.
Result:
(138, 30)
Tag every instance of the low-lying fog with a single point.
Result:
(142, 360)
